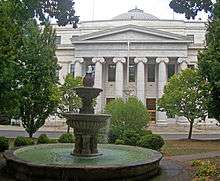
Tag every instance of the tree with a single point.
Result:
(62, 10)
(69, 100)
(209, 62)
(191, 7)
(209, 59)
(37, 78)
(186, 94)
(14, 15)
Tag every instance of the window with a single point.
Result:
(191, 66)
(151, 73)
(132, 71)
(191, 37)
(111, 72)
(91, 69)
(171, 70)
(108, 100)
(58, 40)
(72, 69)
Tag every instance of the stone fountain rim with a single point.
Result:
(9, 155)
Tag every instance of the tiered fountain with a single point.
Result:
(87, 161)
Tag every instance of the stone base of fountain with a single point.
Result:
(53, 162)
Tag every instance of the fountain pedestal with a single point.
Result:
(86, 124)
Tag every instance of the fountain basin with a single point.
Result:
(86, 122)
(54, 162)
(88, 92)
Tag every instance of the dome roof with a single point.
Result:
(135, 14)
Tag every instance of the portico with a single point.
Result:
(134, 57)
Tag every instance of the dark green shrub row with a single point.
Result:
(23, 141)
(66, 138)
(141, 138)
(43, 139)
(151, 141)
(4, 143)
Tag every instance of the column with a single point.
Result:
(119, 84)
(98, 80)
(162, 79)
(141, 61)
(78, 67)
(63, 71)
(182, 61)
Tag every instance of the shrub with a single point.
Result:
(151, 141)
(147, 132)
(204, 168)
(53, 140)
(23, 141)
(119, 142)
(4, 143)
(43, 139)
(131, 137)
(66, 138)
(126, 115)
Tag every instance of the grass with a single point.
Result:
(187, 147)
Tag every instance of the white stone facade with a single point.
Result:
(135, 37)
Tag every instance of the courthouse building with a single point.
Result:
(132, 54)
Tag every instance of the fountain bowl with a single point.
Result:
(53, 162)
(86, 122)
(88, 92)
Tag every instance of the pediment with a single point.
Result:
(132, 33)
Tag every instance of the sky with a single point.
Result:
(107, 9)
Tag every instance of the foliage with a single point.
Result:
(38, 90)
(151, 141)
(209, 62)
(186, 94)
(43, 139)
(66, 138)
(14, 17)
(131, 137)
(119, 142)
(209, 59)
(4, 143)
(23, 141)
(191, 7)
(204, 168)
(61, 10)
(69, 100)
(10, 41)
(130, 114)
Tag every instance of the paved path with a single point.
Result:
(55, 134)
(194, 136)
(182, 158)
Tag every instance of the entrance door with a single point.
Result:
(151, 107)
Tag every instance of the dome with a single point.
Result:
(135, 14)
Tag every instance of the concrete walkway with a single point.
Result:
(183, 158)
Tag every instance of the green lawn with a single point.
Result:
(186, 147)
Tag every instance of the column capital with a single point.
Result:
(162, 59)
(182, 59)
(140, 59)
(119, 59)
(98, 59)
(78, 59)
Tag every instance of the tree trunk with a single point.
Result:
(190, 130)
(68, 129)
(30, 135)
